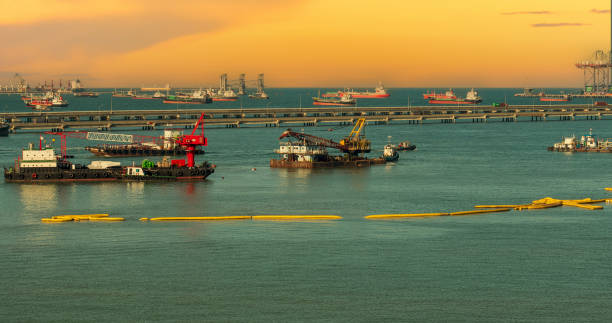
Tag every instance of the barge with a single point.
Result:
(311, 151)
(43, 165)
(587, 143)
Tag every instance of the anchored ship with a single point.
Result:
(471, 98)
(379, 92)
(448, 95)
(43, 165)
(345, 100)
(562, 98)
(311, 151)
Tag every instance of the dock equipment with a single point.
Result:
(102, 136)
(190, 142)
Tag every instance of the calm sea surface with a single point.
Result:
(542, 265)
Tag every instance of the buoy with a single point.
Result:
(397, 216)
(480, 211)
(201, 218)
(296, 217)
(253, 169)
(106, 219)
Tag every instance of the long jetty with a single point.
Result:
(275, 117)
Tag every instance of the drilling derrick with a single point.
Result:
(596, 72)
(260, 83)
(223, 82)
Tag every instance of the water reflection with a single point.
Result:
(36, 197)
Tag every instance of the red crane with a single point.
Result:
(190, 142)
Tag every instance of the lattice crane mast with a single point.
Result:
(103, 136)
(355, 143)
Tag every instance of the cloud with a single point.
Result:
(559, 24)
(600, 10)
(542, 12)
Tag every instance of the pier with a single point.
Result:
(276, 117)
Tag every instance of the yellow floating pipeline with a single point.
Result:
(199, 218)
(480, 211)
(538, 206)
(608, 188)
(296, 217)
(52, 220)
(584, 206)
(399, 216)
(585, 201)
(104, 219)
(144, 219)
(80, 216)
(499, 206)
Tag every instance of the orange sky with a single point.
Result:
(311, 43)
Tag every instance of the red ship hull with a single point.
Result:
(225, 99)
(181, 102)
(330, 103)
(368, 96)
(450, 102)
(554, 99)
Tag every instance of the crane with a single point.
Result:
(355, 143)
(190, 142)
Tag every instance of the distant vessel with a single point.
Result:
(197, 97)
(448, 95)
(379, 92)
(345, 100)
(123, 94)
(48, 100)
(225, 95)
(471, 98)
(86, 94)
(563, 98)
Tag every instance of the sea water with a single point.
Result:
(539, 265)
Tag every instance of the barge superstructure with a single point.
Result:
(587, 143)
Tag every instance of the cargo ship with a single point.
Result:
(86, 94)
(226, 95)
(345, 100)
(43, 165)
(379, 93)
(471, 98)
(562, 98)
(587, 143)
(311, 151)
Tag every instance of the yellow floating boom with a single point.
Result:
(52, 220)
(399, 216)
(296, 217)
(500, 206)
(104, 219)
(199, 218)
(608, 188)
(480, 211)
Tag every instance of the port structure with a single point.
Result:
(190, 142)
(596, 72)
(101, 136)
(354, 145)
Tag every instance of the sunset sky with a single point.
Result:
(303, 43)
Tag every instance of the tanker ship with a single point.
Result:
(379, 93)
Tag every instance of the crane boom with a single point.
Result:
(312, 140)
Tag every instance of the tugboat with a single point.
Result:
(405, 145)
(345, 100)
(389, 153)
(42, 165)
